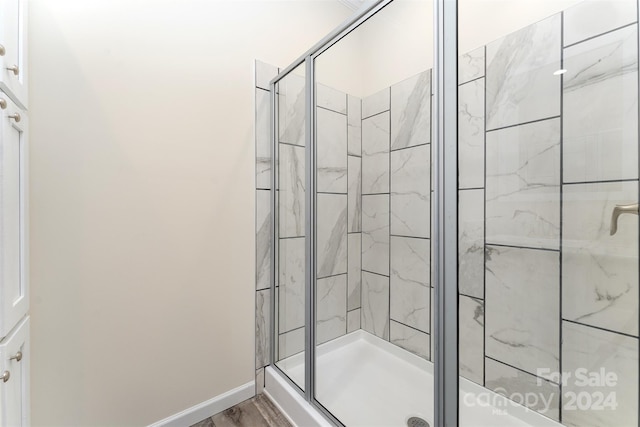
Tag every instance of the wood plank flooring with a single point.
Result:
(258, 411)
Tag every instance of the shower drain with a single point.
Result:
(417, 422)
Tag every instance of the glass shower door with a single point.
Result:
(548, 204)
(373, 96)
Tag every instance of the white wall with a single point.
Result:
(142, 200)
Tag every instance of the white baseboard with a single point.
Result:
(208, 408)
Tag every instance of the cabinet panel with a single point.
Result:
(13, 226)
(13, 38)
(15, 356)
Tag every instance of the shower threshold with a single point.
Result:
(364, 380)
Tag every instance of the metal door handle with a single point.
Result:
(15, 117)
(17, 357)
(15, 69)
(619, 210)
(5, 376)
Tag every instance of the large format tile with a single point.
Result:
(264, 74)
(353, 320)
(471, 65)
(410, 339)
(291, 280)
(331, 150)
(600, 108)
(354, 122)
(521, 86)
(375, 304)
(410, 201)
(263, 139)
(471, 134)
(331, 99)
(410, 291)
(263, 309)
(522, 308)
(411, 111)
(376, 103)
(332, 234)
(290, 343)
(590, 18)
(331, 303)
(263, 239)
(471, 242)
(606, 355)
(471, 338)
(535, 393)
(375, 154)
(355, 194)
(291, 202)
(600, 271)
(355, 270)
(292, 109)
(375, 233)
(523, 185)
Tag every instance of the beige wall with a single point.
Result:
(142, 200)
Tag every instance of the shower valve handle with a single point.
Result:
(619, 210)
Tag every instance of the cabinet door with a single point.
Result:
(14, 393)
(13, 39)
(14, 295)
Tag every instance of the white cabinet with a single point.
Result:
(13, 50)
(14, 283)
(14, 377)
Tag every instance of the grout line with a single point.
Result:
(521, 370)
(601, 182)
(333, 111)
(409, 237)
(600, 328)
(520, 247)
(408, 326)
(597, 35)
(561, 208)
(472, 80)
(484, 228)
(392, 150)
(377, 114)
(522, 124)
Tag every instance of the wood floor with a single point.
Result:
(258, 411)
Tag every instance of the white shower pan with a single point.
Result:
(366, 381)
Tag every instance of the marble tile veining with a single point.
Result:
(264, 74)
(331, 234)
(522, 307)
(263, 239)
(376, 103)
(471, 242)
(600, 108)
(354, 122)
(523, 185)
(331, 99)
(355, 194)
(521, 387)
(409, 281)
(521, 86)
(590, 18)
(291, 204)
(354, 241)
(471, 134)
(471, 338)
(471, 65)
(263, 309)
(331, 303)
(596, 351)
(410, 339)
(291, 114)
(375, 233)
(291, 284)
(375, 304)
(600, 271)
(375, 154)
(411, 111)
(410, 195)
(263, 139)
(331, 158)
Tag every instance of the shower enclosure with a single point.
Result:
(448, 220)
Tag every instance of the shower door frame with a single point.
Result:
(445, 208)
